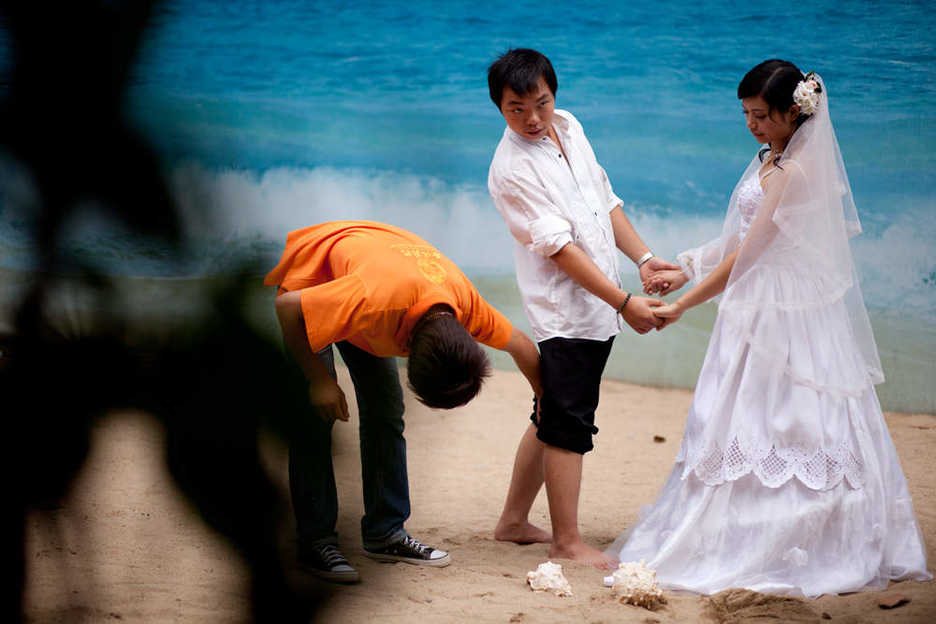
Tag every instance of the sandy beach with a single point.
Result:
(125, 547)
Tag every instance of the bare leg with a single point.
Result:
(525, 483)
(563, 475)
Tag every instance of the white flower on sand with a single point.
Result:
(636, 584)
(548, 577)
(806, 94)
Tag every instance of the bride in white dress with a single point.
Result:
(787, 480)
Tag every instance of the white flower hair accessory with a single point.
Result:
(807, 93)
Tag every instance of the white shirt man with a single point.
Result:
(549, 200)
(559, 206)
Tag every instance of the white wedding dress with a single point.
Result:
(787, 480)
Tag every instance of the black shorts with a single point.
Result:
(570, 369)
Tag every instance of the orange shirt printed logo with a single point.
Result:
(431, 270)
(426, 261)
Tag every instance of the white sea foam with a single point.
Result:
(239, 205)
(233, 215)
(897, 265)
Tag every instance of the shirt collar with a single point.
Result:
(560, 123)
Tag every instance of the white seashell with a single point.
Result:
(636, 584)
(548, 577)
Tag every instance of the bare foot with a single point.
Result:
(521, 533)
(583, 553)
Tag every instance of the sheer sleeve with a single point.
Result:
(698, 262)
(533, 219)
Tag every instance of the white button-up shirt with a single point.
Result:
(548, 203)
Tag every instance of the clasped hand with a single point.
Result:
(640, 312)
(661, 277)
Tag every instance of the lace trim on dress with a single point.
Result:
(817, 469)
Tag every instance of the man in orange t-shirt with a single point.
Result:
(377, 291)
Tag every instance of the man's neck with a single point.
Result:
(554, 137)
(439, 309)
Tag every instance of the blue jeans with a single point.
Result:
(383, 457)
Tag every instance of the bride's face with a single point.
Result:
(769, 126)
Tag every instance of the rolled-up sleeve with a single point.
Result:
(534, 220)
(549, 234)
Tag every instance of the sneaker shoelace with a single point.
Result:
(414, 544)
(332, 556)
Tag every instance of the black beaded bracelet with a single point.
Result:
(626, 299)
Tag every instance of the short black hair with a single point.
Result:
(446, 365)
(520, 69)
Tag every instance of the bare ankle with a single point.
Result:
(521, 533)
(567, 542)
(582, 552)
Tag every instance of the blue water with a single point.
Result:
(272, 115)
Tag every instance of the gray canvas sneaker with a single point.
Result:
(326, 562)
(409, 550)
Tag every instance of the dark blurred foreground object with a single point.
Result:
(211, 383)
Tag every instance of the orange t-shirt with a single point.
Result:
(368, 283)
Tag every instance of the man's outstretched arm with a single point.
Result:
(638, 313)
(630, 243)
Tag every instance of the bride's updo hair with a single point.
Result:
(775, 81)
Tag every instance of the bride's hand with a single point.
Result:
(664, 282)
(651, 267)
(670, 313)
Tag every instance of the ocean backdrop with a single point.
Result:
(278, 114)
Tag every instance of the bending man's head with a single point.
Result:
(446, 365)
